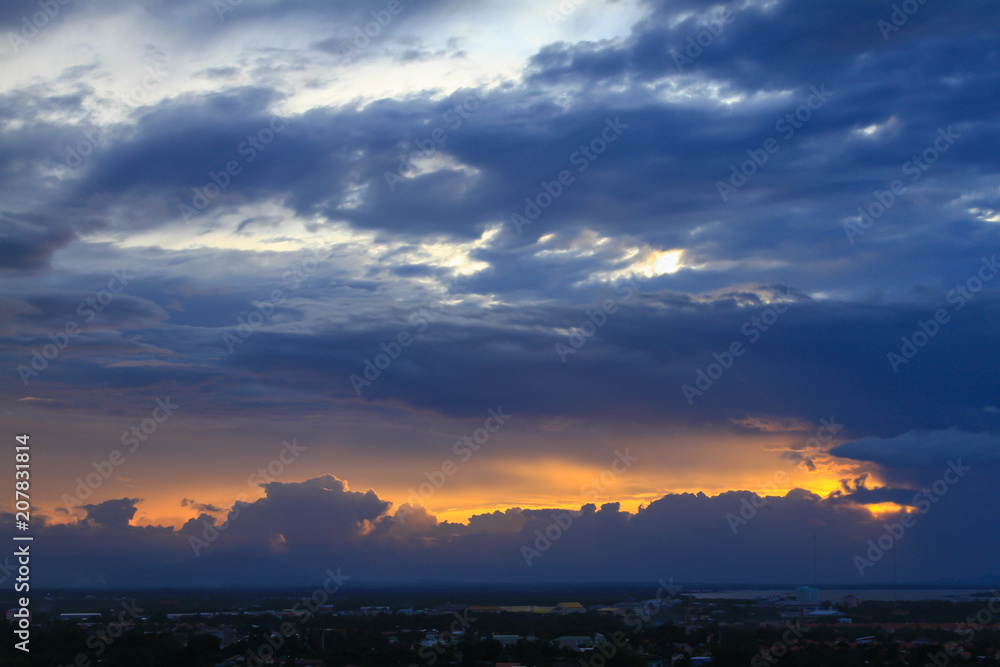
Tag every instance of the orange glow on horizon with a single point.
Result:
(448, 507)
(710, 464)
(538, 485)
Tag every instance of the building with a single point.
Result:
(375, 611)
(575, 643)
(507, 640)
(611, 611)
(580, 642)
(95, 616)
(569, 608)
(445, 609)
(850, 601)
(483, 609)
(806, 594)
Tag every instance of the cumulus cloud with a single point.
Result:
(924, 454)
(302, 528)
(111, 513)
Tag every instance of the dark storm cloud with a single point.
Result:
(27, 243)
(111, 513)
(824, 172)
(300, 529)
(658, 182)
(341, 512)
(920, 456)
(818, 359)
(197, 18)
(780, 45)
(177, 143)
(276, 524)
(44, 314)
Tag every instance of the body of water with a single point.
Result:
(834, 594)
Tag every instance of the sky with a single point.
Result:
(591, 290)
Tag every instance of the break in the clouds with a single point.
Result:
(701, 232)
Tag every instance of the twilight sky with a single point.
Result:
(392, 283)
